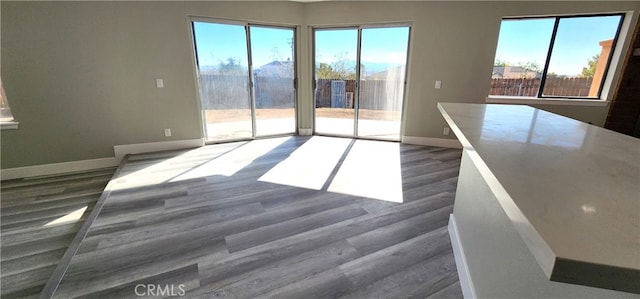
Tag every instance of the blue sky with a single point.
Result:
(520, 41)
(336, 44)
(576, 42)
(217, 42)
(385, 45)
(379, 45)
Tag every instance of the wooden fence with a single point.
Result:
(323, 91)
(274, 92)
(374, 94)
(576, 87)
(554, 86)
(232, 92)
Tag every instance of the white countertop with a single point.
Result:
(572, 190)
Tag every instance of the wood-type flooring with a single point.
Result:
(287, 217)
(38, 219)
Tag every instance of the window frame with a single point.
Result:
(10, 124)
(359, 27)
(567, 99)
(192, 19)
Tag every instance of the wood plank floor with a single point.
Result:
(289, 217)
(38, 219)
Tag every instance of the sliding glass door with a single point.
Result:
(246, 80)
(381, 88)
(335, 76)
(273, 80)
(360, 76)
(224, 80)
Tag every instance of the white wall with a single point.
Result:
(80, 75)
(455, 42)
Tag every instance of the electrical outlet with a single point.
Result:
(167, 132)
(438, 84)
(445, 131)
(159, 83)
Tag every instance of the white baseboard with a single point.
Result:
(468, 292)
(305, 132)
(129, 149)
(84, 165)
(55, 168)
(439, 142)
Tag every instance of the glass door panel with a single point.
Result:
(221, 51)
(272, 66)
(578, 42)
(335, 74)
(382, 77)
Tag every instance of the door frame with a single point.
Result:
(356, 96)
(251, 88)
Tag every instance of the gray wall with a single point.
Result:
(80, 75)
(455, 42)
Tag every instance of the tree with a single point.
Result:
(337, 70)
(343, 71)
(530, 66)
(527, 68)
(590, 70)
(292, 47)
(325, 71)
(500, 62)
(275, 54)
(231, 67)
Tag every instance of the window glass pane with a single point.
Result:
(273, 73)
(5, 111)
(580, 56)
(382, 76)
(335, 71)
(224, 80)
(520, 56)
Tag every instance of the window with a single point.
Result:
(550, 57)
(246, 79)
(359, 80)
(6, 118)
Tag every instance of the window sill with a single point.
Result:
(546, 101)
(9, 125)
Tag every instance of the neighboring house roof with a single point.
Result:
(498, 72)
(513, 72)
(279, 68)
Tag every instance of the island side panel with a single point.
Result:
(500, 264)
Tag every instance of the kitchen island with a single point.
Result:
(546, 206)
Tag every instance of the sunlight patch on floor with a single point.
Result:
(162, 171)
(371, 169)
(223, 159)
(310, 165)
(69, 218)
(233, 161)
